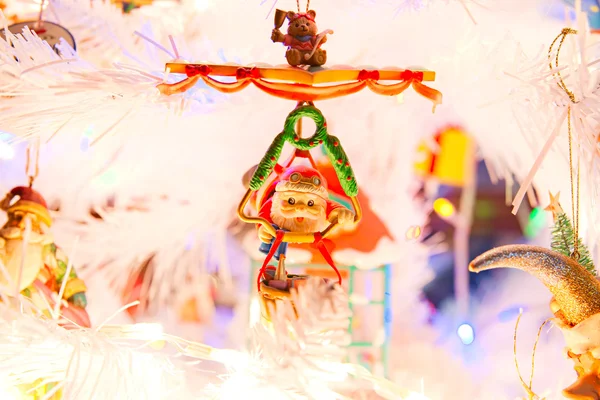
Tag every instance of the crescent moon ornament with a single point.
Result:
(576, 291)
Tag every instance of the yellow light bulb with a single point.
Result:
(443, 207)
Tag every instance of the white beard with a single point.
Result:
(11, 255)
(292, 225)
(13, 232)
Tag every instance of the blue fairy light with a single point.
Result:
(85, 144)
(466, 333)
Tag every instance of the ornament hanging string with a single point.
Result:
(530, 392)
(33, 152)
(537, 339)
(39, 24)
(307, 5)
(562, 36)
(574, 192)
(528, 388)
(574, 185)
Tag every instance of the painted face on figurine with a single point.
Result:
(15, 227)
(298, 211)
(303, 26)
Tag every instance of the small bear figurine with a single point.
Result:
(302, 40)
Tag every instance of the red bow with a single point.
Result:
(194, 69)
(408, 75)
(300, 15)
(245, 73)
(319, 244)
(365, 75)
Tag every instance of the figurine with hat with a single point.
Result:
(298, 201)
(293, 203)
(39, 268)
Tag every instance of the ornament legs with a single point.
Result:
(294, 57)
(280, 273)
(318, 58)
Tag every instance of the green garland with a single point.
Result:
(332, 145)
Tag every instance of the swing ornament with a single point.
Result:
(295, 207)
(302, 84)
(304, 78)
(292, 202)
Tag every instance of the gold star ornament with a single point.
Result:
(554, 206)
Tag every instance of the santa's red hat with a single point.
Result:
(303, 179)
(25, 199)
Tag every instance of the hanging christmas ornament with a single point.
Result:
(35, 266)
(295, 206)
(568, 272)
(50, 32)
(366, 237)
(447, 159)
(302, 40)
(576, 291)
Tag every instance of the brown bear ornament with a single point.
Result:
(302, 40)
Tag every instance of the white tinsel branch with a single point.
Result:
(541, 109)
(124, 361)
(104, 34)
(300, 353)
(85, 363)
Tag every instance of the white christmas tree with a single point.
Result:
(163, 173)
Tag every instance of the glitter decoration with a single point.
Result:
(576, 291)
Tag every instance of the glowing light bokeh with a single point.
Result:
(444, 208)
(466, 333)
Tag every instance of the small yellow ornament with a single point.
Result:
(37, 268)
(450, 163)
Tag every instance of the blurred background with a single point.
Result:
(149, 185)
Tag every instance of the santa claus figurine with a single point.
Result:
(298, 202)
(39, 268)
